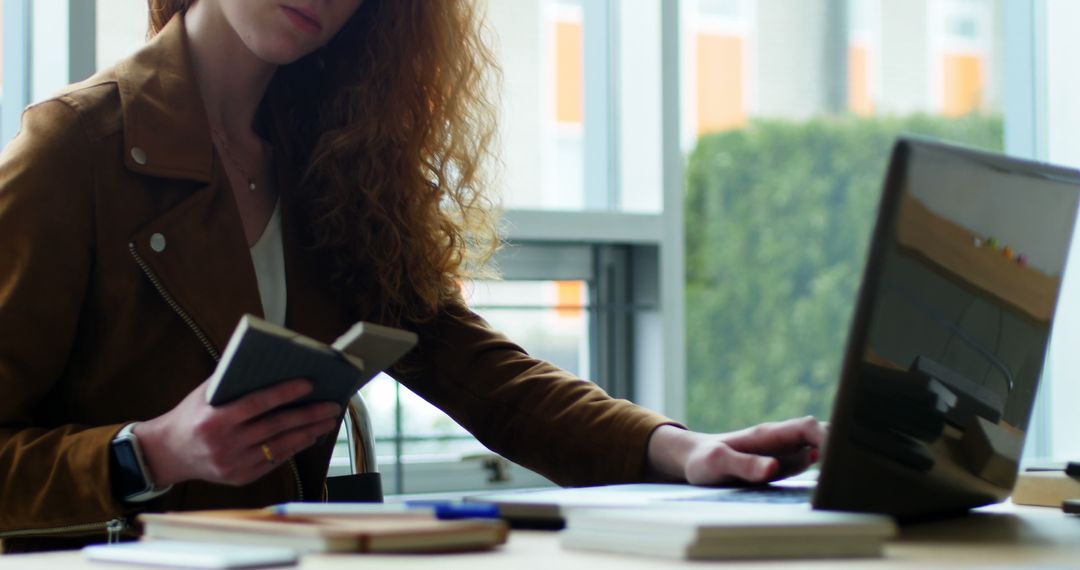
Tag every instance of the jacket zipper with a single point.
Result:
(172, 303)
(113, 528)
(205, 340)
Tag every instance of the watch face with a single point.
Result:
(129, 475)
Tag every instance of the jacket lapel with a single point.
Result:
(195, 251)
(166, 133)
(198, 254)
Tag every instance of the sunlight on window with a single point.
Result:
(550, 318)
(783, 180)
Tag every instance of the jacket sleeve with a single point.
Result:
(50, 475)
(527, 410)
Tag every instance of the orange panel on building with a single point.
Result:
(569, 72)
(720, 65)
(570, 298)
(859, 98)
(964, 83)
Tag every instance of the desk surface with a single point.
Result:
(999, 536)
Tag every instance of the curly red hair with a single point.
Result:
(389, 129)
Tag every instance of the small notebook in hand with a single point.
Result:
(261, 354)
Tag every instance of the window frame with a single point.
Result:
(1041, 93)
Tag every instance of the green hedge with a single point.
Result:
(778, 216)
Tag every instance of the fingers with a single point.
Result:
(722, 464)
(268, 426)
(257, 461)
(756, 455)
(225, 444)
(775, 438)
(289, 443)
(262, 401)
(795, 463)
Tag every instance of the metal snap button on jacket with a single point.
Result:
(157, 243)
(138, 155)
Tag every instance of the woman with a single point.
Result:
(315, 162)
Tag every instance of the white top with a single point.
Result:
(268, 255)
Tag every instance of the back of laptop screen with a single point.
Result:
(950, 332)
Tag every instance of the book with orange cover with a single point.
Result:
(390, 532)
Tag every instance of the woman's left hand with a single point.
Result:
(758, 454)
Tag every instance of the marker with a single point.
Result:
(448, 510)
(445, 510)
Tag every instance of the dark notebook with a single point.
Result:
(261, 354)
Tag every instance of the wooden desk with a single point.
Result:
(1004, 535)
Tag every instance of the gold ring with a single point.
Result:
(267, 453)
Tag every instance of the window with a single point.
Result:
(119, 29)
(571, 305)
(553, 318)
(1, 49)
(563, 183)
(580, 82)
(1045, 114)
(794, 110)
(541, 46)
(14, 65)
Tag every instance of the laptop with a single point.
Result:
(944, 354)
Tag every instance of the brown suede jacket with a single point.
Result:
(99, 328)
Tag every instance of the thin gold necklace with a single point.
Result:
(227, 152)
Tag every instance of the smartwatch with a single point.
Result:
(131, 478)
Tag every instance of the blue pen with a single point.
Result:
(449, 510)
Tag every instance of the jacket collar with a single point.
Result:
(166, 132)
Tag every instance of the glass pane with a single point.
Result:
(426, 432)
(638, 101)
(551, 318)
(541, 48)
(1061, 117)
(1, 51)
(790, 111)
(121, 29)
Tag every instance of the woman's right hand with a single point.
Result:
(236, 443)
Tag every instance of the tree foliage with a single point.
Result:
(778, 218)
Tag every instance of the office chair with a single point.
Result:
(364, 483)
